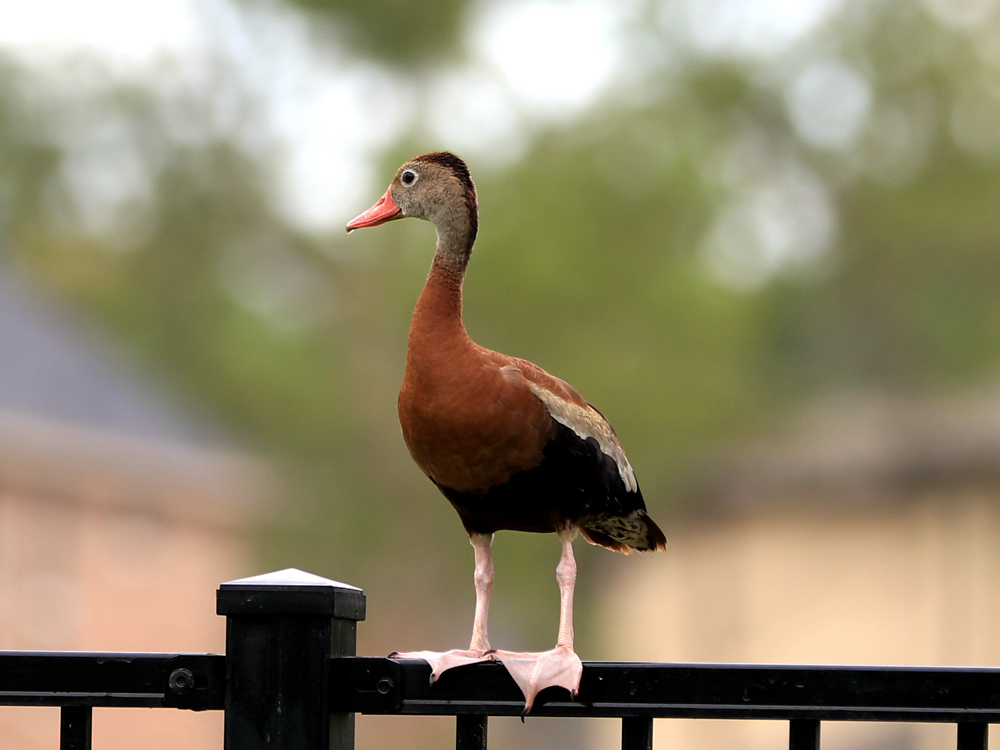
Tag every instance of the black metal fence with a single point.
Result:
(290, 679)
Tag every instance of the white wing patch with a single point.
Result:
(587, 423)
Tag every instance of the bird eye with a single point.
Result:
(408, 177)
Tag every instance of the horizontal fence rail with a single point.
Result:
(42, 678)
(290, 679)
(690, 691)
(374, 685)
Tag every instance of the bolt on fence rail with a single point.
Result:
(291, 640)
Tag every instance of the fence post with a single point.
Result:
(281, 630)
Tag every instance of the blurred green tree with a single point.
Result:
(401, 33)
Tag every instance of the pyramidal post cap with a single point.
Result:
(289, 577)
(290, 592)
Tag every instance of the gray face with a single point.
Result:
(435, 191)
(424, 190)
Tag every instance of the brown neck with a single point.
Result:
(436, 328)
(456, 234)
(438, 314)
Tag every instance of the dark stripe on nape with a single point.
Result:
(461, 171)
(454, 163)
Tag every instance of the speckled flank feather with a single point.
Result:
(635, 531)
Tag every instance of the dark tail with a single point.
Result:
(637, 531)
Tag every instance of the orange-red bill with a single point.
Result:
(383, 211)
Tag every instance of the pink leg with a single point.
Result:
(560, 666)
(477, 652)
(566, 579)
(482, 544)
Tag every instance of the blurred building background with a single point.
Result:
(120, 513)
(867, 533)
(761, 237)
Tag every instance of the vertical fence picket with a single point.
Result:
(637, 733)
(470, 731)
(803, 734)
(75, 727)
(973, 735)
(281, 630)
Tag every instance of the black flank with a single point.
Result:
(576, 484)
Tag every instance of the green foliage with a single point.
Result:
(913, 301)
(396, 31)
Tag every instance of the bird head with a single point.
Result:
(436, 187)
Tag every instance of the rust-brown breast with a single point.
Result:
(468, 424)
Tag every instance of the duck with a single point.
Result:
(509, 445)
